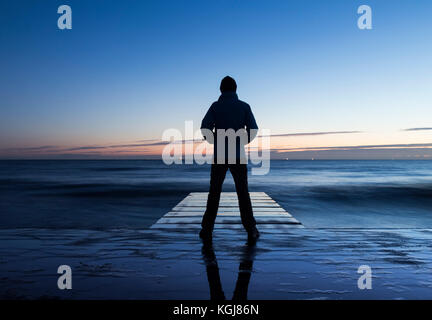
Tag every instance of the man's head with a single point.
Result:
(228, 84)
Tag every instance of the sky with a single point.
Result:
(129, 70)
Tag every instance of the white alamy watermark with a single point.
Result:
(65, 20)
(365, 280)
(64, 282)
(365, 20)
(204, 146)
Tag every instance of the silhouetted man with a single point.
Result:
(229, 113)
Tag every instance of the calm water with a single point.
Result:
(135, 193)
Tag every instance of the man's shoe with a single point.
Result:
(253, 235)
(205, 235)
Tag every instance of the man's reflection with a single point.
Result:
(244, 274)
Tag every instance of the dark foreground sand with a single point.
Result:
(293, 264)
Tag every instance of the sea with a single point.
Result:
(133, 194)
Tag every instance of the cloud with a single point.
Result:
(386, 146)
(130, 145)
(357, 154)
(417, 129)
(321, 133)
(384, 151)
(39, 148)
(60, 150)
(147, 140)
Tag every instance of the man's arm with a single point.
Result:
(251, 124)
(208, 124)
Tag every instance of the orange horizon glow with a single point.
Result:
(153, 148)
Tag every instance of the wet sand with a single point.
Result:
(150, 264)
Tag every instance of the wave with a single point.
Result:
(375, 193)
(150, 189)
(117, 169)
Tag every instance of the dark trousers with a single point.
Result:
(239, 173)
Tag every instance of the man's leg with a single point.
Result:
(217, 177)
(239, 173)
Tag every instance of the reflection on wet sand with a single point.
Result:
(244, 273)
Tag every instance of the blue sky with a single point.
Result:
(128, 70)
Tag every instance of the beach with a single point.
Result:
(95, 216)
(297, 264)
